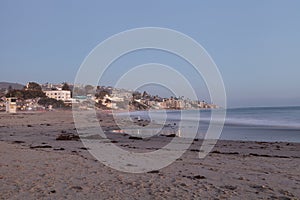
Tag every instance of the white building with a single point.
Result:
(11, 105)
(63, 95)
(121, 93)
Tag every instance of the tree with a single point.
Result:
(101, 94)
(77, 91)
(65, 86)
(136, 95)
(49, 101)
(32, 94)
(33, 86)
(145, 95)
(15, 93)
(89, 89)
(9, 89)
(26, 94)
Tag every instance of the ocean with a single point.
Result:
(269, 124)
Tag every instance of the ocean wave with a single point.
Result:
(273, 117)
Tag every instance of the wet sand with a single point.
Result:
(35, 165)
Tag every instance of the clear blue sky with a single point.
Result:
(255, 44)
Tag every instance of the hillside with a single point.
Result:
(5, 85)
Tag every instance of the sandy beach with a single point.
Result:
(41, 157)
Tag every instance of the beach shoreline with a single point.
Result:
(34, 164)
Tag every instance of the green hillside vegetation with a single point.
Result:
(33, 91)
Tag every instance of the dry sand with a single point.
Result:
(34, 165)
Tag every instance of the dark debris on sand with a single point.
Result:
(67, 136)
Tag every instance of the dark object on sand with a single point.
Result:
(227, 153)
(59, 149)
(153, 172)
(135, 138)
(195, 177)
(199, 177)
(195, 150)
(171, 135)
(230, 187)
(76, 188)
(67, 136)
(84, 148)
(18, 142)
(216, 151)
(40, 147)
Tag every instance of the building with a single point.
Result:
(121, 93)
(64, 95)
(11, 105)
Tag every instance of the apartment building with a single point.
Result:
(63, 95)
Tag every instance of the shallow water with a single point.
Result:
(272, 124)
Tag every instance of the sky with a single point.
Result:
(255, 44)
